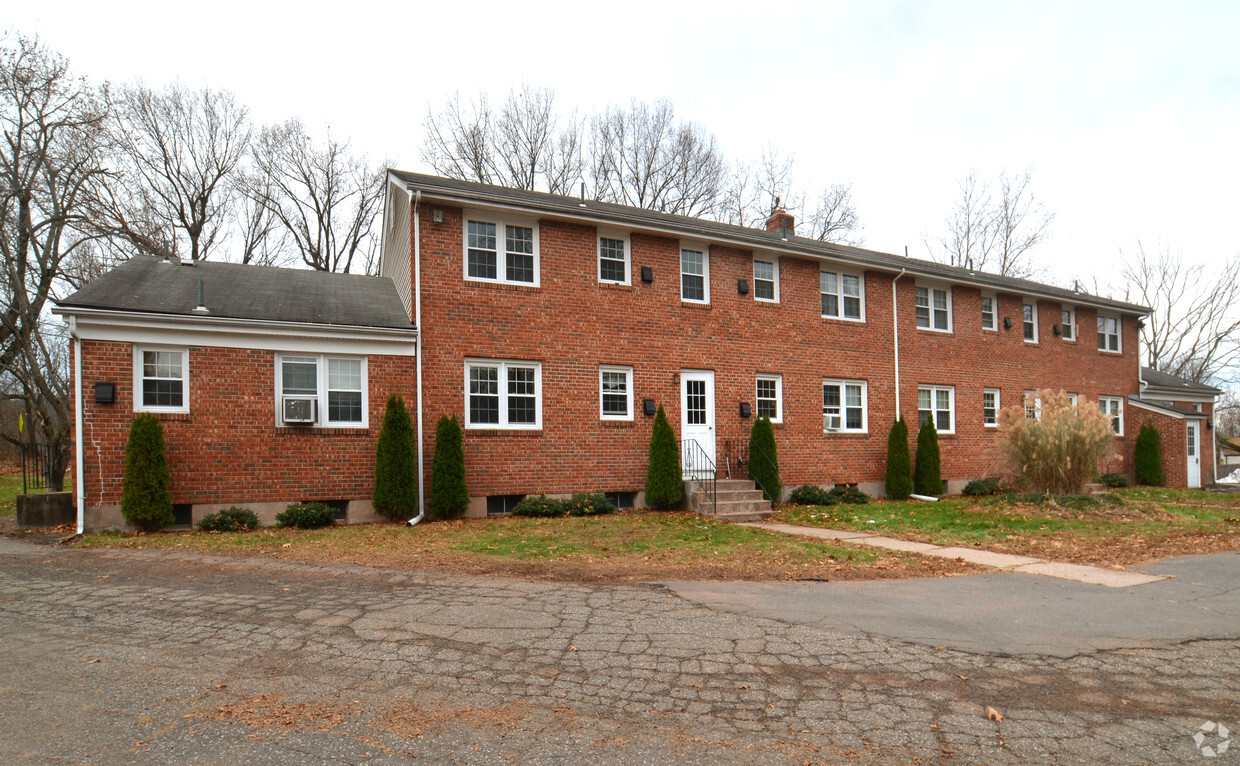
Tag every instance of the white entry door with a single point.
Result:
(1194, 454)
(697, 418)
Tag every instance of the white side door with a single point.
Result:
(697, 418)
(1194, 454)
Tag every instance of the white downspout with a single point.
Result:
(78, 484)
(417, 323)
(895, 326)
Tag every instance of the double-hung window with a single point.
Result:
(322, 390)
(1030, 310)
(934, 308)
(503, 394)
(1033, 406)
(937, 404)
(1068, 323)
(613, 258)
(500, 250)
(615, 391)
(844, 405)
(695, 275)
(843, 295)
(1113, 407)
(990, 407)
(161, 380)
(1108, 333)
(989, 312)
(770, 394)
(766, 279)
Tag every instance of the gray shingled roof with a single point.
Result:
(540, 203)
(1165, 382)
(152, 285)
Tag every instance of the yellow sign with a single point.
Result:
(20, 424)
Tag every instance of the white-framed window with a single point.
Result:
(934, 308)
(615, 392)
(766, 279)
(770, 397)
(1033, 406)
(694, 274)
(503, 394)
(1067, 322)
(990, 407)
(614, 258)
(937, 403)
(843, 295)
(160, 379)
(321, 390)
(1113, 406)
(844, 406)
(503, 250)
(1030, 310)
(1072, 399)
(1108, 334)
(990, 311)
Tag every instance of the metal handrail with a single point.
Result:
(700, 468)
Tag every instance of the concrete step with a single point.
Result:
(729, 507)
(735, 494)
(741, 517)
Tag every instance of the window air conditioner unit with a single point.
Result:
(831, 422)
(299, 410)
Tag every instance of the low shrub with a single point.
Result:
(307, 516)
(1073, 502)
(540, 507)
(849, 495)
(981, 487)
(230, 520)
(584, 504)
(1114, 480)
(808, 494)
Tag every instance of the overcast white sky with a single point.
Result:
(1126, 112)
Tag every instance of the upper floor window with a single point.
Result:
(990, 407)
(934, 308)
(615, 390)
(694, 275)
(1114, 407)
(501, 394)
(322, 390)
(1068, 323)
(844, 405)
(937, 404)
(161, 380)
(843, 295)
(989, 309)
(1108, 333)
(503, 251)
(1031, 321)
(766, 280)
(613, 259)
(770, 396)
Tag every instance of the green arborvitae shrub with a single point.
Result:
(1114, 480)
(540, 507)
(665, 484)
(307, 516)
(589, 504)
(146, 499)
(927, 473)
(764, 459)
(230, 520)
(449, 495)
(899, 463)
(981, 488)
(396, 470)
(1147, 458)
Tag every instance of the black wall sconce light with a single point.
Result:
(105, 393)
(742, 287)
(1007, 323)
(745, 410)
(1140, 325)
(1055, 329)
(647, 274)
(648, 406)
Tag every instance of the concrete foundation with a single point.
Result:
(45, 509)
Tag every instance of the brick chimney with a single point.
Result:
(780, 219)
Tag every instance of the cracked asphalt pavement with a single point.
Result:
(138, 657)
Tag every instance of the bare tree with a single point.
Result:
(1194, 330)
(50, 161)
(459, 140)
(754, 191)
(178, 150)
(834, 218)
(994, 233)
(1021, 224)
(325, 199)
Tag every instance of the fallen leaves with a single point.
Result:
(993, 715)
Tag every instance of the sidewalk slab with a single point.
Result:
(819, 532)
(892, 544)
(1111, 578)
(985, 558)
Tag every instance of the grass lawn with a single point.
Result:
(1134, 526)
(11, 487)
(628, 546)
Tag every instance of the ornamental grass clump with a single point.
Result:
(1059, 452)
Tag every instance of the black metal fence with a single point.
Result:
(42, 468)
(700, 468)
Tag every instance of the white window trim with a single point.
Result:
(865, 406)
(503, 365)
(994, 312)
(1119, 334)
(1076, 329)
(774, 261)
(501, 244)
(138, 377)
(1033, 304)
(1120, 401)
(628, 387)
(321, 409)
(628, 256)
(951, 405)
(931, 287)
(779, 396)
(839, 283)
(704, 249)
(998, 407)
(1032, 396)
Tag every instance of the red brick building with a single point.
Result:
(553, 326)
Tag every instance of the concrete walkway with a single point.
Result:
(1111, 578)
